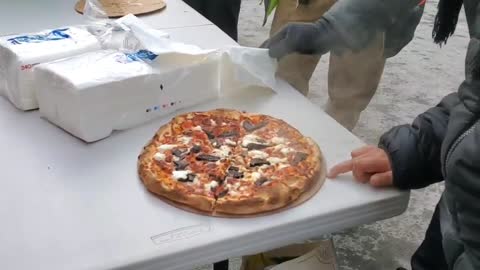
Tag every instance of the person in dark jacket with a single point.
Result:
(223, 13)
(442, 144)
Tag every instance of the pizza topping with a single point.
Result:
(209, 158)
(299, 157)
(213, 122)
(222, 193)
(183, 176)
(230, 142)
(215, 143)
(180, 164)
(235, 172)
(286, 150)
(255, 176)
(256, 146)
(159, 156)
(250, 138)
(165, 147)
(261, 181)
(196, 149)
(209, 134)
(278, 140)
(281, 166)
(232, 133)
(276, 160)
(185, 140)
(257, 154)
(197, 128)
(223, 152)
(258, 162)
(249, 126)
(211, 186)
(180, 153)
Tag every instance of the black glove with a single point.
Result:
(303, 38)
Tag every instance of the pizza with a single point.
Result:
(229, 162)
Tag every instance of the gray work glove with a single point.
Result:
(303, 38)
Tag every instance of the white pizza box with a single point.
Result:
(20, 53)
(93, 94)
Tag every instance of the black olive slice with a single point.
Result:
(261, 181)
(299, 157)
(209, 158)
(226, 134)
(258, 162)
(256, 146)
(180, 165)
(249, 126)
(196, 149)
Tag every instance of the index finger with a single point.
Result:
(340, 168)
(362, 150)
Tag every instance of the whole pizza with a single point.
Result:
(229, 162)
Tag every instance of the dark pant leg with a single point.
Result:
(224, 14)
(223, 265)
(430, 256)
(198, 5)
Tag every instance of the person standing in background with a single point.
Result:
(223, 13)
(357, 61)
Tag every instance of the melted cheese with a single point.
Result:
(209, 186)
(213, 122)
(180, 174)
(278, 140)
(283, 149)
(165, 147)
(185, 140)
(281, 166)
(197, 128)
(230, 142)
(276, 160)
(248, 139)
(255, 176)
(159, 156)
(257, 154)
(286, 150)
(223, 152)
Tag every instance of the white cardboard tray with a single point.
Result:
(32, 15)
(70, 205)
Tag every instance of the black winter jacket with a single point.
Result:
(444, 144)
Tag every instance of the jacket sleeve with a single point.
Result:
(414, 150)
(357, 21)
(466, 190)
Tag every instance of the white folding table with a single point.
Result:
(65, 204)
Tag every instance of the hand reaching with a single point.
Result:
(369, 164)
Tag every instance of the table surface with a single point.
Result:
(70, 205)
(29, 15)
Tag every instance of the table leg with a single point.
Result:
(223, 265)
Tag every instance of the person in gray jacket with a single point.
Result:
(442, 144)
(362, 35)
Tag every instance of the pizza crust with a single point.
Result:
(267, 198)
(196, 201)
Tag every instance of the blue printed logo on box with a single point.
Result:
(141, 55)
(57, 34)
